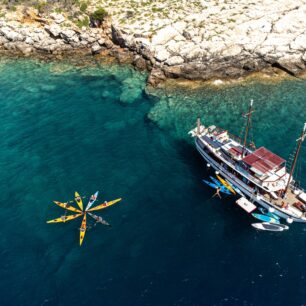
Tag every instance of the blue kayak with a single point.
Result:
(265, 218)
(266, 212)
(222, 188)
(217, 182)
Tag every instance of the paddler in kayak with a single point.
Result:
(91, 201)
(93, 198)
(100, 220)
(217, 193)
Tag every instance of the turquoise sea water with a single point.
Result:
(65, 128)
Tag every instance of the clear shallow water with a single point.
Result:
(65, 129)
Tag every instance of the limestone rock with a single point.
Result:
(101, 41)
(161, 54)
(54, 30)
(10, 46)
(29, 40)
(194, 40)
(299, 43)
(95, 48)
(233, 50)
(58, 18)
(140, 63)
(164, 35)
(175, 60)
(156, 76)
(69, 35)
(3, 40)
(24, 48)
(118, 37)
(11, 34)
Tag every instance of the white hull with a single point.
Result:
(246, 190)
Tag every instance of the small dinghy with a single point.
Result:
(265, 218)
(269, 214)
(272, 227)
(285, 227)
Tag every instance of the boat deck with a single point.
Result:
(287, 204)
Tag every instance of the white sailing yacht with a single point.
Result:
(259, 174)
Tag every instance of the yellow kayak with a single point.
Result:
(67, 206)
(83, 229)
(78, 199)
(64, 218)
(105, 204)
(226, 184)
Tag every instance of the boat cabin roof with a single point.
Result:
(263, 160)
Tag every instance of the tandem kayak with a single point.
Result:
(83, 229)
(78, 199)
(105, 204)
(92, 200)
(67, 206)
(64, 218)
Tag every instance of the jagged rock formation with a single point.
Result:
(192, 40)
(206, 39)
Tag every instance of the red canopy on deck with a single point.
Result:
(237, 151)
(263, 160)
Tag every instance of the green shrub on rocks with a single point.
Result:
(97, 17)
(41, 7)
(129, 14)
(83, 7)
(83, 23)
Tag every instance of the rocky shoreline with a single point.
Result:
(175, 50)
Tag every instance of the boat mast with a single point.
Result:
(249, 114)
(198, 126)
(300, 141)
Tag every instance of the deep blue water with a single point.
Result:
(65, 128)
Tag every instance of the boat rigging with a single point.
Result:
(300, 141)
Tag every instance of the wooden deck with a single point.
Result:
(287, 204)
